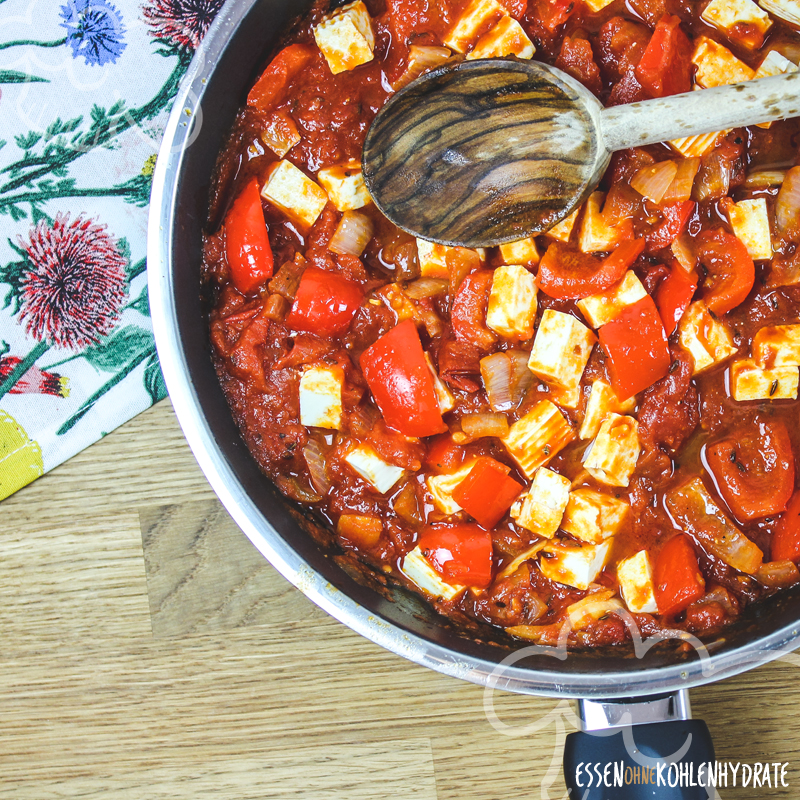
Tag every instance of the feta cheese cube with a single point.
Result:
(477, 17)
(592, 608)
(725, 15)
(774, 63)
(716, 65)
(321, 397)
(563, 230)
(294, 193)
(345, 37)
(706, 338)
(750, 223)
(602, 402)
(787, 10)
(606, 306)
(444, 397)
(523, 251)
(535, 438)
(511, 310)
(596, 236)
(540, 510)
(560, 350)
(635, 577)
(506, 38)
(777, 346)
(613, 455)
(345, 186)
(573, 565)
(529, 554)
(373, 469)
(419, 571)
(433, 259)
(441, 488)
(598, 5)
(696, 146)
(752, 382)
(593, 516)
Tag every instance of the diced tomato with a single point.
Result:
(461, 554)
(673, 296)
(469, 310)
(325, 303)
(786, 539)
(577, 59)
(246, 357)
(678, 580)
(247, 241)
(551, 14)
(754, 469)
(637, 348)
(731, 271)
(487, 492)
(444, 455)
(566, 273)
(675, 218)
(705, 617)
(401, 382)
(666, 65)
(278, 74)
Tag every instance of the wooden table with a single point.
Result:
(148, 652)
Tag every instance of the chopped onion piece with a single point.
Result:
(787, 207)
(359, 530)
(684, 252)
(521, 376)
(479, 426)
(680, 189)
(506, 378)
(352, 234)
(420, 61)
(406, 506)
(719, 594)
(426, 287)
(317, 467)
(653, 181)
(765, 179)
(287, 278)
(777, 574)
(713, 178)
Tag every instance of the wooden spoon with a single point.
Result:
(492, 151)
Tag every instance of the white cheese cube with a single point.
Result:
(696, 146)
(541, 508)
(716, 65)
(606, 306)
(294, 193)
(752, 382)
(593, 516)
(635, 577)
(444, 397)
(602, 402)
(345, 37)
(592, 608)
(598, 5)
(433, 259)
(613, 455)
(442, 487)
(563, 230)
(373, 469)
(787, 10)
(535, 438)
(523, 251)
(566, 398)
(419, 571)
(321, 397)
(476, 18)
(506, 38)
(511, 310)
(572, 565)
(707, 339)
(345, 186)
(596, 236)
(560, 350)
(514, 565)
(750, 223)
(777, 346)
(725, 15)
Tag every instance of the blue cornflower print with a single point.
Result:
(94, 30)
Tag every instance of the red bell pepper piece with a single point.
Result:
(786, 539)
(678, 580)
(637, 348)
(675, 218)
(325, 303)
(487, 492)
(461, 554)
(444, 455)
(665, 67)
(731, 271)
(247, 241)
(277, 75)
(673, 296)
(401, 382)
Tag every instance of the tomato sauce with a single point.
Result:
(369, 375)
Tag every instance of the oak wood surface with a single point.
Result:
(149, 652)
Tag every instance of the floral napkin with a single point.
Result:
(85, 91)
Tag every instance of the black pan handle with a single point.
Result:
(623, 755)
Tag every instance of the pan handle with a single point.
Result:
(632, 749)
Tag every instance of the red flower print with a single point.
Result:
(72, 294)
(34, 381)
(181, 22)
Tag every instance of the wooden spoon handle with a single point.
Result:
(705, 111)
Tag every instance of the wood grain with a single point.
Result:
(147, 652)
(483, 153)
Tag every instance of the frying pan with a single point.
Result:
(621, 692)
